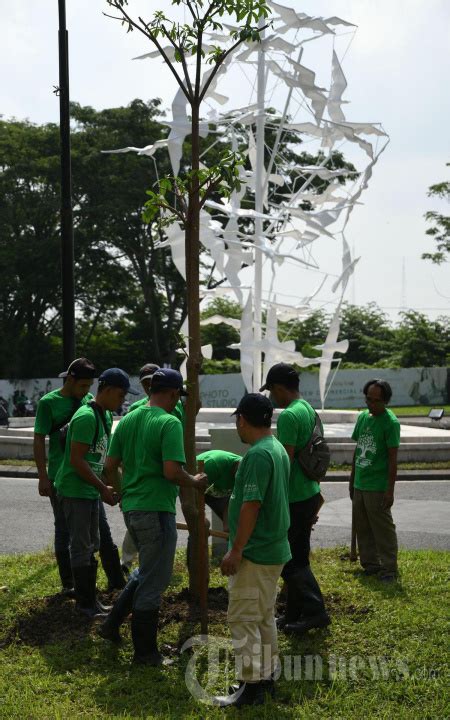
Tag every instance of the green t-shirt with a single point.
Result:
(374, 435)
(143, 441)
(52, 409)
(263, 475)
(294, 427)
(82, 428)
(178, 412)
(219, 467)
(139, 403)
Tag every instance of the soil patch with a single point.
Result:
(54, 618)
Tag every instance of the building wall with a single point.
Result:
(411, 386)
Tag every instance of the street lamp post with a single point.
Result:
(67, 253)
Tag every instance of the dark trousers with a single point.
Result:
(82, 520)
(302, 514)
(375, 531)
(62, 535)
(304, 597)
(217, 504)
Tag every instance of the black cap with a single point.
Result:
(168, 378)
(255, 408)
(115, 377)
(147, 371)
(280, 374)
(80, 369)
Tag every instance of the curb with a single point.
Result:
(24, 471)
(343, 475)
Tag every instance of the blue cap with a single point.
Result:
(115, 377)
(167, 378)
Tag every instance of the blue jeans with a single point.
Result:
(155, 536)
(82, 521)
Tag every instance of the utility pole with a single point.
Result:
(67, 254)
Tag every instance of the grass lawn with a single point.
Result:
(383, 657)
(437, 465)
(412, 410)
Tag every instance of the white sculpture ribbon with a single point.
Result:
(299, 205)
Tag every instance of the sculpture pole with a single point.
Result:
(259, 207)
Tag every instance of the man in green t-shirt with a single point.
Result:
(79, 483)
(54, 411)
(129, 550)
(148, 443)
(305, 608)
(372, 482)
(220, 467)
(258, 548)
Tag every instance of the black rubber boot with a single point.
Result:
(104, 609)
(65, 573)
(293, 610)
(109, 555)
(144, 631)
(109, 630)
(84, 582)
(247, 694)
(305, 603)
(268, 687)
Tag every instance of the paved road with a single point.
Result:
(421, 512)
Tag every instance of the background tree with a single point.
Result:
(421, 341)
(29, 244)
(123, 285)
(370, 334)
(109, 198)
(440, 228)
(222, 335)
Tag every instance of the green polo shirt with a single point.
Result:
(82, 428)
(219, 466)
(374, 435)
(52, 409)
(263, 475)
(294, 427)
(143, 440)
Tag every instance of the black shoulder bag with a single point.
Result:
(99, 415)
(314, 458)
(62, 427)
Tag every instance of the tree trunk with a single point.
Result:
(197, 551)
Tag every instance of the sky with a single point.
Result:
(397, 68)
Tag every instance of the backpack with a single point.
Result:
(314, 458)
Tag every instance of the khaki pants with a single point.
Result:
(375, 532)
(252, 595)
